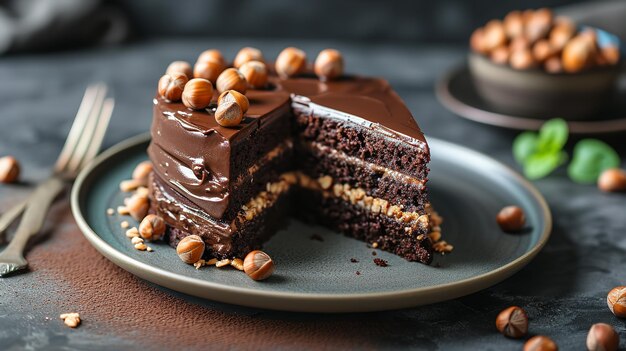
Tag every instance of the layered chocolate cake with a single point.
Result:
(342, 151)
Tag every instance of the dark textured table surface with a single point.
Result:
(563, 289)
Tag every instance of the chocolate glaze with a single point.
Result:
(195, 155)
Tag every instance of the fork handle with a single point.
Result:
(35, 214)
(9, 216)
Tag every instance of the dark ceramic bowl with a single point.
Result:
(538, 94)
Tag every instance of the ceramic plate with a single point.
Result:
(455, 90)
(466, 188)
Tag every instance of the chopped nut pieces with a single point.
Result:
(9, 169)
(138, 206)
(136, 240)
(190, 249)
(237, 263)
(132, 233)
(199, 263)
(141, 246)
(258, 265)
(142, 171)
(222, 263)
(129, 185)
(442, 247)
(122, 210)
(110, 211)
(72, 320)
(124, 224)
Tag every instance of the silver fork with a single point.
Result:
(82, 145)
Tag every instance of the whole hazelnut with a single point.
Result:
(258, 265)
(328, 64)
(152, 227)
(208, 70)
(234, 96)
(519, 43)
(514, 24)
(511, 219)
(543, 50)
(247, 54)
(290, 62)
(500, 55)
(180, 67)
(612, 180)
(512, 322)
(540, 343)
(212, 55)
(190, 249)
(171, 86)
(229, 114)
(137, 206)
(494, 35)
(561, 34)
(477, 42)
(539, 24)
(142, 171)
(522, 59)
(577, 54)
(602, 337)
(231, 79)
(553, 65)
(198, 93)
(616, 299)
(610, 54)
(9, 169)
(255, 73)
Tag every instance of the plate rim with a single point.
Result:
(473, 113)
(306, 302)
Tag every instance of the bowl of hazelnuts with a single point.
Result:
(539, 65)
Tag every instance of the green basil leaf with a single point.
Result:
(552, 136)
(540, 165)
(524, 145)
(591, 157)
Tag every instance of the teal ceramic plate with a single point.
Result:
(467, 189)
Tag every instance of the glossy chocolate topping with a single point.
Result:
(195, 154)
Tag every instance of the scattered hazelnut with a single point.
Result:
(602, 337)
(171, 86)
(543, 50)
(231, 79)
(129, 185)
(222, 263)
(180, 67)
(329, 64)
(229, 114)
(553, 65)
(258, 265)
(522, 59)
(616, 299)
(576, 54)
(511, 219)
(212, 55)
(290, 62)
(142, 172)
(500, 55)
(512, 322)
(137, 206)
(514, 24)
(519, 43)
(198, 93)
(247, 54)
(612, 180)
(141, 246)
(540, 343)
(152, 227)
(477, 42)
(538, 24)
(9, 169)
(234, 96)
(494, 35)
(190, 249)
(561, 34)
(72, 320)
(208, 70)
(255, 73)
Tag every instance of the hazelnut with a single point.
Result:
(553, 65)
(229, 114)
(231, 79)
(612, 180)
(522, 59)
(258, 265)
(519, 43)
(72, 320)
(328, 64)
(511, 219)
(171, 86)
(610, 54)
(539, 24)
(234, 96)
(616, 299)
(561, 34)
(9, 169)
(212, 55)
(514, 24)
(512, 322)
(543, 50)
(602, 337)
(180, 67)
(246, 55)
(540, 343)
(577, 54)
(494, 35)
(190, 249)
(477, 42)
(152, 227)
(255, 73)
(142, 171)
(137, 206)
(500, 55)
(198, 93)
(290, 62)
(208, 70)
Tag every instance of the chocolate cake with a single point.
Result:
(345, 153)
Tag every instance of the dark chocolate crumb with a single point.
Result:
(373, 253)
(354, 260)
(380, 262)
(358, 273)
(317, 237)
